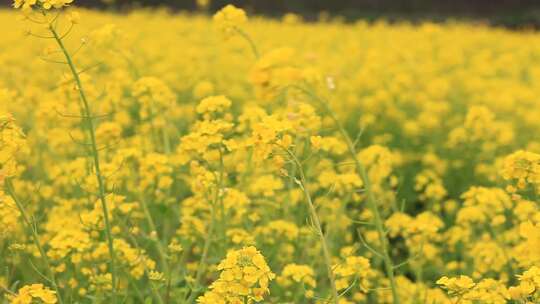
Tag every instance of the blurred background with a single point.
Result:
(509, 13)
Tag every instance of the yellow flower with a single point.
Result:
(315, 142)
(12, 145)
(523, 167)
(229, 18)
(213, 104)
(354, 268)
(298, 274)
(156, 276)
(28, 293)
(457, 286)
(9, 217)
(174, 247)
(244, 275)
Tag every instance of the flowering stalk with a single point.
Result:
(317, 223)
(87, 115)
(153, 234)
(208, 241)
(361, 170)
(249, 40)
(153, 288)
(223, 223)
(204, 257)
(35, 238)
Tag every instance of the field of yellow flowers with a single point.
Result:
(162, 158)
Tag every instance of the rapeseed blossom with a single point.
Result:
(244, 277)
(229, 18)
(35, 292)
(522, 168)
(12, 145)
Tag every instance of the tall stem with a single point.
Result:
(204, 257)
(151, 224)
(249, 40)
(317, 223)
(95, 155)
(201, 269)
(208, 241)
(35, 238)
(361, 170)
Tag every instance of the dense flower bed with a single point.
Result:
(159, 158)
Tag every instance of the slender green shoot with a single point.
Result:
(317, 223)
(35, 238)
(372, 202)
(90, 128)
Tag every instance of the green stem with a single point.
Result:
(161, 251)
(204, 257)
(511, 272)
(155, 293)
(361, 170)
(138, 292)
(35, 238)
(249, 40)
(95, 155)
(153, 288)
(317, 222)
(166, 140)
(208, 241)
(223, 220)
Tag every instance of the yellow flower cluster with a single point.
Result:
(463, 288)
(481, 127)
(457, 286)
(213, 104)
(419, 232)
(294, 273)
(529, 286)
(9, 216)
(208, 134)
(229, 18)
(30, 293)
(12, 145)
(526, 252)
(481, 205)
(244, 278)
(154, 97)
(354, 269)
(522, 168)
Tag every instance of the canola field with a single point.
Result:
(151, 157)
